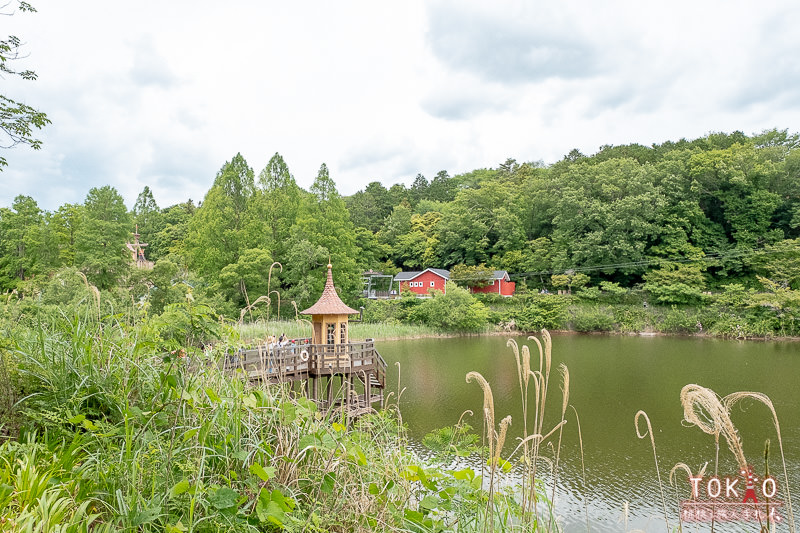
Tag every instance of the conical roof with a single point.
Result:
(329, 303)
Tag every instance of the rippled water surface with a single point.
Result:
(611, 378)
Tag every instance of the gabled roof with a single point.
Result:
(329, 303)
(500, 274)
(408, 276)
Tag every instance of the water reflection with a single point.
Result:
(611, 378)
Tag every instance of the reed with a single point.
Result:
(642, 435)
(534, 434)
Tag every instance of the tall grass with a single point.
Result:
(705, 409)
(530, 516)
(260, 330)
(122, 434)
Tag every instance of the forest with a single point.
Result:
(115, 413)
(675, 221)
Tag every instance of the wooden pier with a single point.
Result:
(357, 367)
(319, 362)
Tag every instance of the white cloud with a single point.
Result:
(162, 94)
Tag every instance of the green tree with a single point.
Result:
(676, 284)
(419, 189)
(442, 188)
(20, 241)
(220, 229)
(17, 120)
(171, 236)
(277, 203)
(780, 263)
(471, 276)
(149, 221)
(323, 225)
(369, 208)
(62, 232)
(246, 280)
(100, 252)
(569, 280)
(605, 215)
(418, 247)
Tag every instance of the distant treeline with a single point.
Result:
(705, 213)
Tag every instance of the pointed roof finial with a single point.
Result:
(329, 303)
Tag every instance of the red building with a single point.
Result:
(422, 282)
(499, 284)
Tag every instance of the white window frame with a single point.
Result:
(433, 284)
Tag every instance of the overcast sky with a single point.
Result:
(162, 93)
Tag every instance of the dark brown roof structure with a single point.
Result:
(329, 303)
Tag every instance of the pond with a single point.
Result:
(611, 378)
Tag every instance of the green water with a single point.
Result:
(611, 378)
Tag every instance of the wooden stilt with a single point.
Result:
(367, 389)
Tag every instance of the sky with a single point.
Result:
(163, 93)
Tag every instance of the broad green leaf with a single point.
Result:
(146, 516)
(466, 473)
(177, 528)
(429, 502)
(212, 395)
(264, 473)
(189, 434)
(224, 498)
(179, 488)
(328, 483)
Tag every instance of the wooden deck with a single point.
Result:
(318, 365)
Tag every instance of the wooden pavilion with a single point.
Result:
(323, 360)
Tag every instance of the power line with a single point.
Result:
(654, 261)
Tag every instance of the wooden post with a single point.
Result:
(350, 389)
(367, 389)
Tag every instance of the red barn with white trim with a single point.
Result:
(499, 284)
(424, 281)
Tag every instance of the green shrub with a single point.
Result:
(632, 318)
(456, 310)
(594, 318)
(679, 321)
(589, 293)
(542, 311)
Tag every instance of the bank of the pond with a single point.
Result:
(259, 331)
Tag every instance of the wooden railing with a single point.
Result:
(301, 360)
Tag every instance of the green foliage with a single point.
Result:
(589, 293)
(780, 263)
(244, 281)
(101, 237)
(471, 276)
(20, 241)
(186, 324)
(456, 440)
(676, 284)
(120, 437)
(594, 318)
(220, 229)
(679, 321)
(542, 311)
(17, 120)
(455, 310)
